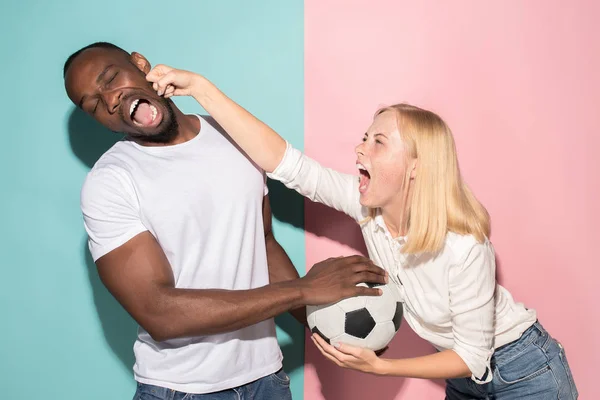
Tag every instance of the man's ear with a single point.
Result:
(141, 62)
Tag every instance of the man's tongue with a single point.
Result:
(143, 114)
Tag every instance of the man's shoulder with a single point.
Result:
(115, 155)
(109, 175)
(232, 149)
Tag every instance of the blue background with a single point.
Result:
(63, 336)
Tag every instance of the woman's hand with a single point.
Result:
(352, 357)
(169, 81)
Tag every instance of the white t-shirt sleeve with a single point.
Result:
(472, 287)
(110, 210)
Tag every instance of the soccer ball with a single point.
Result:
(364, 321)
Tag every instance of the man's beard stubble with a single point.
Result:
(169, 131)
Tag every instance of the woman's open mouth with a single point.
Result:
(364, 178)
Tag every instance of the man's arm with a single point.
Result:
(281, 268)
(139, 276)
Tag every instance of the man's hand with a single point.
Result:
(335, 279)
(169, 81)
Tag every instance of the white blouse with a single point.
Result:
(451, 298)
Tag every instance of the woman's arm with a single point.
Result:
(262, 144)
(443, 365)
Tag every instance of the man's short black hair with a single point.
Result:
(102, 45)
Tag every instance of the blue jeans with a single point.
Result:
(271, 387)
(534, 367)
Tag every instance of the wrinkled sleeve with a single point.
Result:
(320, 184)
(472, 287)
(110, 210)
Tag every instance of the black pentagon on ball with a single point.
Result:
(373, 284)
(359, 323)
(397, 316)
(318, 332)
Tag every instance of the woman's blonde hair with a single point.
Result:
(441, 201)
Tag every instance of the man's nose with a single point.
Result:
(113, 100)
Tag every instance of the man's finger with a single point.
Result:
(366, 291)
(369, 277)
(375, 269)
(369, 267)
(357, 259)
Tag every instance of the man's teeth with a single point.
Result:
(132, 107)
(360, 167)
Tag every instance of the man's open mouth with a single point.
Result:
(143, 113)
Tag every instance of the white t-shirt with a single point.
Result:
(202, 201)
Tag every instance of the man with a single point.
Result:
(179, 226)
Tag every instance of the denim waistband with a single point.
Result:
(156, 391)
(534, 334)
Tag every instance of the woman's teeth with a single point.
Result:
(363, 177)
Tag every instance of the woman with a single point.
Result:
(422, 224)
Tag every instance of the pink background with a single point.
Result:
(518, 82)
